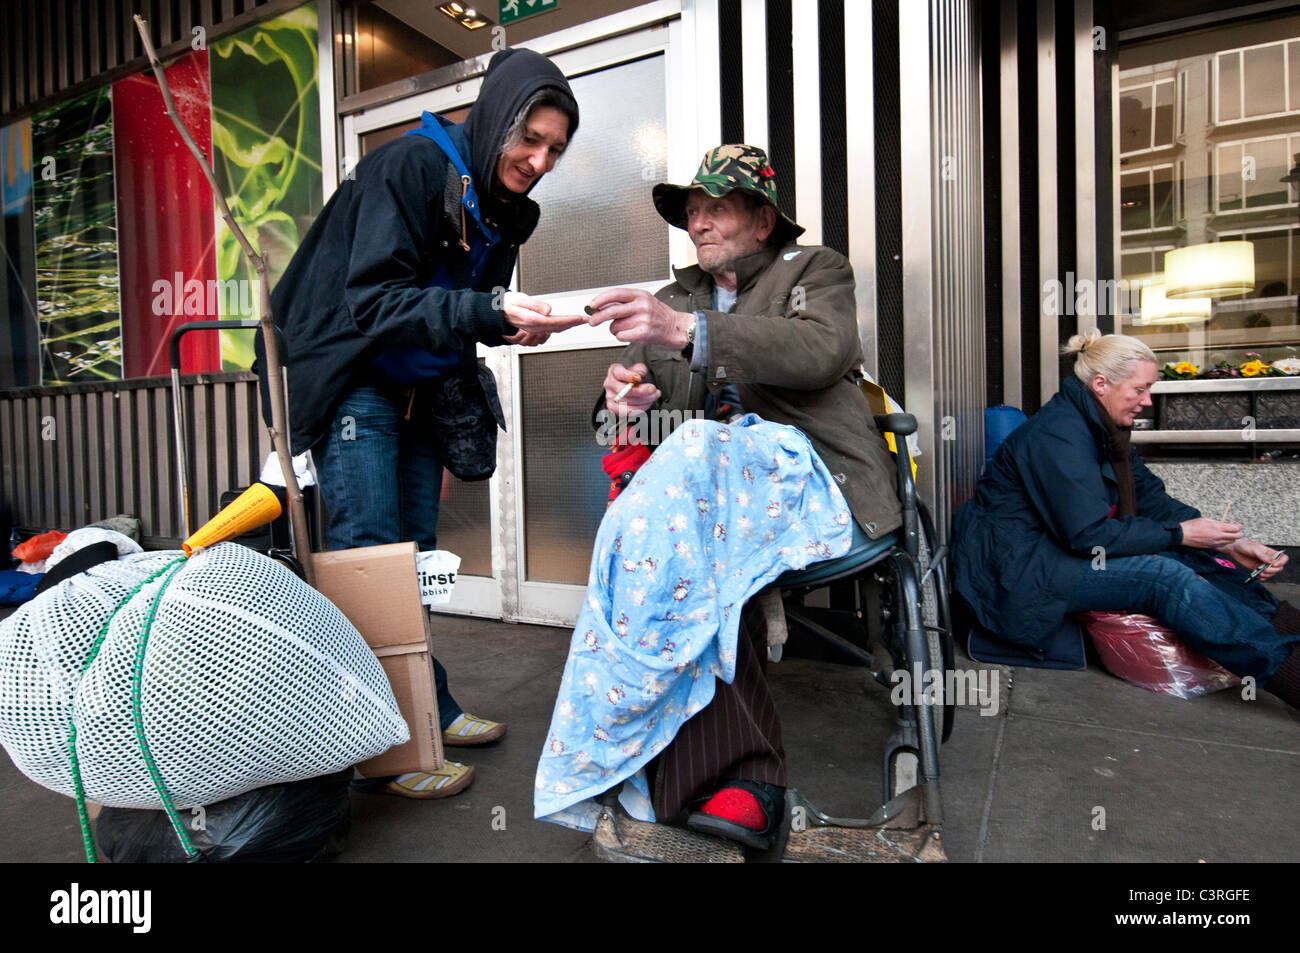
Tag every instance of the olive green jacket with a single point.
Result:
(790, 346)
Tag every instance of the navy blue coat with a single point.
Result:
(1040, 510)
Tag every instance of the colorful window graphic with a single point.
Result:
(165, 220)
(266, 136)
(76, 241)
(19, 328)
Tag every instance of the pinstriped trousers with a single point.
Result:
(737, 736)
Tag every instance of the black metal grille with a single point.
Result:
(730, 71)
(780, 101)
(889, 198)
(1030, 305)
(835, 187)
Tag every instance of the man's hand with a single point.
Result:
(1251, 555)
(639, 396)
(638, 316)
(534, 320)
(1205, 533)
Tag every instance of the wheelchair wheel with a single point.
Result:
(938, 616)
(911, 754)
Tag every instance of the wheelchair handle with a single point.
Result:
(901, 425)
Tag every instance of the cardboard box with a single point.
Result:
(378, 589)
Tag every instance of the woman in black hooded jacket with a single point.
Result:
(393, 286)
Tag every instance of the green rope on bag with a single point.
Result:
(138, 671)
(79, 791)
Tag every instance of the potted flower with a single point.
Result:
(1182, 371)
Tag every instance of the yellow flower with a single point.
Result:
(1253, 368)
(1186, 367)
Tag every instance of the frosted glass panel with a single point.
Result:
(565, 490)
(464, 522)
(598, 225)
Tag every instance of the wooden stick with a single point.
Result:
(274, 378)
(1225, 512)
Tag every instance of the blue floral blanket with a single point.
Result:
(717, 513)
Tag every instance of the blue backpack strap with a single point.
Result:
(432, 128)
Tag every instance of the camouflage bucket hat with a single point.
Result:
(723, 170)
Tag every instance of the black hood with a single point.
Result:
(512, 78)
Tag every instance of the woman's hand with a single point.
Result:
(1205, 533)
(533, 318)
(1251, 555)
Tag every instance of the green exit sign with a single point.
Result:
(512, 10)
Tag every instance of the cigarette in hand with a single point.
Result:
(623, 391)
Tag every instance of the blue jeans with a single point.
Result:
(380, 480)
(1218, 616)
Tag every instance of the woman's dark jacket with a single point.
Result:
(360, 281)
(1041, 512)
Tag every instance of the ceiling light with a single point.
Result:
(1212, 270)
(1159, 309)
(467, 17)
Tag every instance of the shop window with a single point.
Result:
(1183, 184)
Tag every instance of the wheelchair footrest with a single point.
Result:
(894, 835)
(622, 839)
(873, 845)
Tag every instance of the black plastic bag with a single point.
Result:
(300, 822)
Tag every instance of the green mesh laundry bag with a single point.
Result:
(245, 676)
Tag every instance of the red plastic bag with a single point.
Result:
(38, 548)
(1138, 649)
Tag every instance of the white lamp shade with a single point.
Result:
(1212, 270)
(1157, 308)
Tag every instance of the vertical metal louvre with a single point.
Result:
(77, 454)
(55, 48)
(958, 274)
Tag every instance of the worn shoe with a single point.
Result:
(447, 781)
(749, 812)
(467, 731)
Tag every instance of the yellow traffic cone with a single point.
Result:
(256, 506)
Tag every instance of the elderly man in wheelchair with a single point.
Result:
(778, 471)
